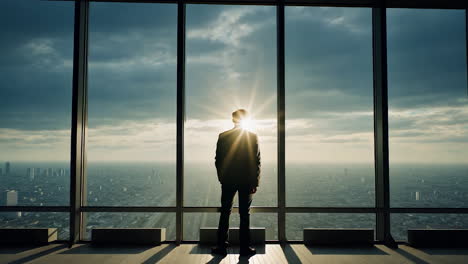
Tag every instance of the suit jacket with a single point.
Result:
(238, 157)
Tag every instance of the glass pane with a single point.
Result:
(36, 51)
(57, 220)
(194, 221)
(131, 220)
(400, 223)
(295, 223)
(231, 64)
(428, 108)
(132, 104)
(329, 107)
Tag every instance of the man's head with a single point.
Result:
(239, 115)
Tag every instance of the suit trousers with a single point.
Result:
(228, 192)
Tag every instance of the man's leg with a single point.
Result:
(245, 199)
(227, 196)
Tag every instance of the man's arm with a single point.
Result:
(257, 160)
(219, 158)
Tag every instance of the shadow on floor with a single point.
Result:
(290, 254)
(444, 251)
(206, 249)
(244, 260)
(16, 249)
(322, 250)
(42, 251)
(216, 260)
(107, 249)
(411, 257)
(160, 254)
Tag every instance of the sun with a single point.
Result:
(247, 124)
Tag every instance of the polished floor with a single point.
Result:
(193, 253)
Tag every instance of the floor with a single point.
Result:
(193, 253)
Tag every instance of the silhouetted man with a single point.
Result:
(238, 166)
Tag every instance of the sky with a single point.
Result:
(230, 64)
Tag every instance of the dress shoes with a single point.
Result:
(247, 251)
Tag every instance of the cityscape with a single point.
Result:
(153, 184)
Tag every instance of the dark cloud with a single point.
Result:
(426, 57)
(35, 88)
(132, 74)
(328, 60)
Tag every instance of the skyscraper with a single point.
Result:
(7, 168)
(12, 200)
(30, 173)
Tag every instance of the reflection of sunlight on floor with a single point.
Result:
(194, 253)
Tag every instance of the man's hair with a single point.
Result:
(238, 115)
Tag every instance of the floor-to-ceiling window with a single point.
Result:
(131, 140)
(428, 116)
(329, 115)
(36, 50)
(231, 56)
(230, 64)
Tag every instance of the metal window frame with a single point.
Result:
(281, 120)
(77, 207)
(180, 120)
(381, 155)
(79, 121)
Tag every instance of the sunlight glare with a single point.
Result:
(247, 124)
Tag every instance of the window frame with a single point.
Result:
(382, 209)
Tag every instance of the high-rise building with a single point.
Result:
(7, 168)
(1, 171)
(12, 200)
(30, 173)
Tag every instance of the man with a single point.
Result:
(238, 166)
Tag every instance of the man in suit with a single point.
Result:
(238, 167)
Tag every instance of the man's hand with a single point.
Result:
(253, 190)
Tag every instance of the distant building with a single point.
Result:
(7, 168)
(1, 171)
(12, 200)
(30, 173)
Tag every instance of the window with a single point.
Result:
(57, 220)
(131, 220)
(400, 223)
(36, 47)
(231, 55)
(231, 64)
(329, 107)
(295, 223)
(194, 221)
(132, 104)
(428, 108)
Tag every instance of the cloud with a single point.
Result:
(231, 63)
(226, 28)
(34, 145)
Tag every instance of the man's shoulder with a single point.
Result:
(233, 132)
(224, 133)
(228, 132)
(252, 135)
